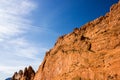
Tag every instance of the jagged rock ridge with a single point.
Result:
(27, 74)
(91, 52)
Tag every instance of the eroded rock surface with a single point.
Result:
(27, 74)
(91, 52)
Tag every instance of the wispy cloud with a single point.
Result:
(12, 17)
(15, 49)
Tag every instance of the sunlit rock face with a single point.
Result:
(27, 74)
(91, 52)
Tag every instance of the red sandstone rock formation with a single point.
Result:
(28, 74)
(91, 52)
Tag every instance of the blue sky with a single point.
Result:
(28, 28)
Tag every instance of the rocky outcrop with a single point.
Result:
(91, 52)
(27, 74)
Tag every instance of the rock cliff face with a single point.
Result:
(91, 52)
(27, 74)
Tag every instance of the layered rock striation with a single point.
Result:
(91, 52)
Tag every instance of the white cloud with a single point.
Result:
(15, 49)
(9, 69)
(12, 20)
(17, 7)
